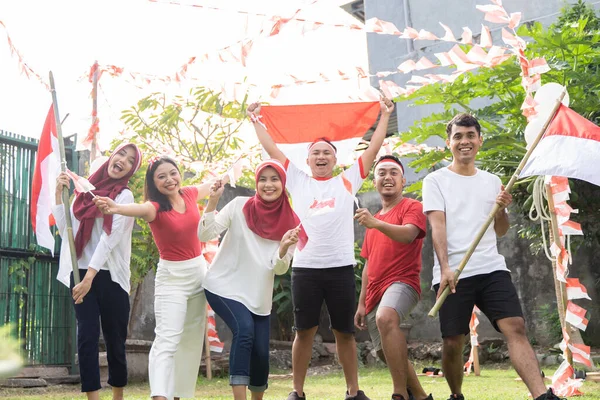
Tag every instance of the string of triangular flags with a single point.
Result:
(473, 323)
(562, 380)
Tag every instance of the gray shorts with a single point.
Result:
(399, 296)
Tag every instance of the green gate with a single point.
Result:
(31, 299)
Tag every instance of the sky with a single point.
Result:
(66, 36)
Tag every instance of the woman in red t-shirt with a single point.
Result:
(179, 304)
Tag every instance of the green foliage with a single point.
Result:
(18, 270)
(548, 315)
(282, 304)
(358, 269)
(10, 358)
(572, 49)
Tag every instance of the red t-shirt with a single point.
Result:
(176, 234)
(390, 261)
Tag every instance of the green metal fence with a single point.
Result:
(31, 299)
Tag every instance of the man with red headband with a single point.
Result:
(391, 285)
(324, 269)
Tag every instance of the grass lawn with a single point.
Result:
(495, 383)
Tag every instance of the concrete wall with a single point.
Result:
(531, 275)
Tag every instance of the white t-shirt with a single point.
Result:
(467, 202)
(108, 252)
(330, 235)
(245, 265)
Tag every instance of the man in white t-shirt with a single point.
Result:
(324, 269)
(457, 200)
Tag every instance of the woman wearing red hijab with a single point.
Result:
(239, 284)
(103, 247)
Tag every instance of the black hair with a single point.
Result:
(463, 119)
(392, 158)
(326, 140)
(151, 192)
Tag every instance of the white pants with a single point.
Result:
(180, 311)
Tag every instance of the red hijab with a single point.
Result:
(84, 208)
(270, 220)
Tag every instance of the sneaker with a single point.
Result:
(549, 395)
(295, 396)
(360, 395)
(457, 397)
(411, 397)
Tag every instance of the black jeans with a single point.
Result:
(108, 304)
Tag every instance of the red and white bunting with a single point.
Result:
(575, 315)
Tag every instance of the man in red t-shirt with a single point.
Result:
(390, 279)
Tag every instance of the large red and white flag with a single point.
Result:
(47, 169)
(295, 127)
(570, 147)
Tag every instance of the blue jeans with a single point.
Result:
(249, 356)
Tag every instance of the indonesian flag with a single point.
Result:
(295, 127)
(211, 327)
(47, 169)
(575, 290)
(570, 147)
(576, 316)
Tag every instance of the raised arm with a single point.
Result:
(211, 226)
(146, 210)
(368, 156)
(437, 220)
(265, 139)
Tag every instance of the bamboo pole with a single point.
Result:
(65, 193)
(94, 109)
(561, 290)
(436, 308)
(207, 358)
(476, 368)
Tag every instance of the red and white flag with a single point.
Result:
(575, 290)
(575, 315)
(570, 147)
(47, 169)
(295, 127)
(211, 326)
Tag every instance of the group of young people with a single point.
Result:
(261, 238)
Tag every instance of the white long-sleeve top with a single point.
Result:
(109, 252)
(245, 265)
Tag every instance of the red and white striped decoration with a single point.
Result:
(213, 338)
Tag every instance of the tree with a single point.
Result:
(572, 49)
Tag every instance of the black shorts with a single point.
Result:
(493, 293)
(310, 286)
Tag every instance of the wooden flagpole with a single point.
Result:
(436, 308)
(65, 193)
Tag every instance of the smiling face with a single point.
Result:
(167, 179)
(321, 160)
(389, 180)
(464, 143)
(121, 162)
(269, 185)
